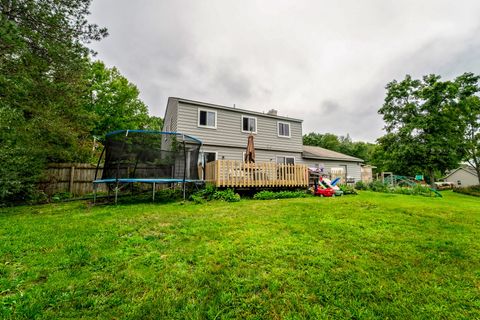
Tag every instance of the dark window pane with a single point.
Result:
(284, 129)
(203, 118)
(209, 157)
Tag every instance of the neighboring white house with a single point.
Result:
(224, 132)
(463, 176)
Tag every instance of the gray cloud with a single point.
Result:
(329, 107)
(234, 84)
(324, 62)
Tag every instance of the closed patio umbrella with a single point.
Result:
(250, 154)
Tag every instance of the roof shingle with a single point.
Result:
(312, 152)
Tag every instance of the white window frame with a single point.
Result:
(246, 131)
(285, 158)
(206, 126)
(203, 156)
(289, 129)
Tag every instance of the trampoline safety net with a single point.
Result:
(142, 154)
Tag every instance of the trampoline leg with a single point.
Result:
(153, 193)
(94, 193)
(116, 193)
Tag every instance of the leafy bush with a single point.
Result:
(421, 190)
(197, 199)
(227, 195)
(472, 190)
(210, 192)
(378, 186)
(347, 189)
(360, 185)
(61, 196)
(269, 195)
(168, 195)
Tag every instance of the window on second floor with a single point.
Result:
(283, 129)
(249, 124)
(207, 118)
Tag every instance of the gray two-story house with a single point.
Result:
(224, 132)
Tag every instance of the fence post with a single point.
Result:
(72, 177)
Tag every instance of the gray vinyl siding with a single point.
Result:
(353, 168)
(228, 131)
(465, 178)
(171, 116)
(228, 153)
(229, 142)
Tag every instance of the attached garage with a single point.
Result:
(332, 163)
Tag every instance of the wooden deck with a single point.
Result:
(231, 173)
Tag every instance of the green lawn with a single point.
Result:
(367, 256)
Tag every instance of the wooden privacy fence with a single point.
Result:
(231, 173)
(75, 178)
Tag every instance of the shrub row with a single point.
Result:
(347, 189)
(472, 190)
(210, 192)
(268, 195)
(378, 186)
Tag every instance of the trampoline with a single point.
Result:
(146, 156)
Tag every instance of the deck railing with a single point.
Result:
(231, 173)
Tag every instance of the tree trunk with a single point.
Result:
(477, 169)
(476, 165)
(432, 179)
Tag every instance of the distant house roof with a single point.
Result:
(311, 152)
(466, 168)
(216, 106)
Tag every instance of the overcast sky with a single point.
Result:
(326, 62)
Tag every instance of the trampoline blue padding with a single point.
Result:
(130, 180)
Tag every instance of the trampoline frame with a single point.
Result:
(152, 181)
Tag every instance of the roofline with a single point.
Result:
(240, 110)
(153, 132)
(352, 159)
(451, 172)
(459, 168)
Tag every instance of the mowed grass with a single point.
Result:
(367, 256)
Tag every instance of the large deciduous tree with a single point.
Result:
(114, 101)
(469, 115)
(343, 144)
(422, 121)
(43, 63)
